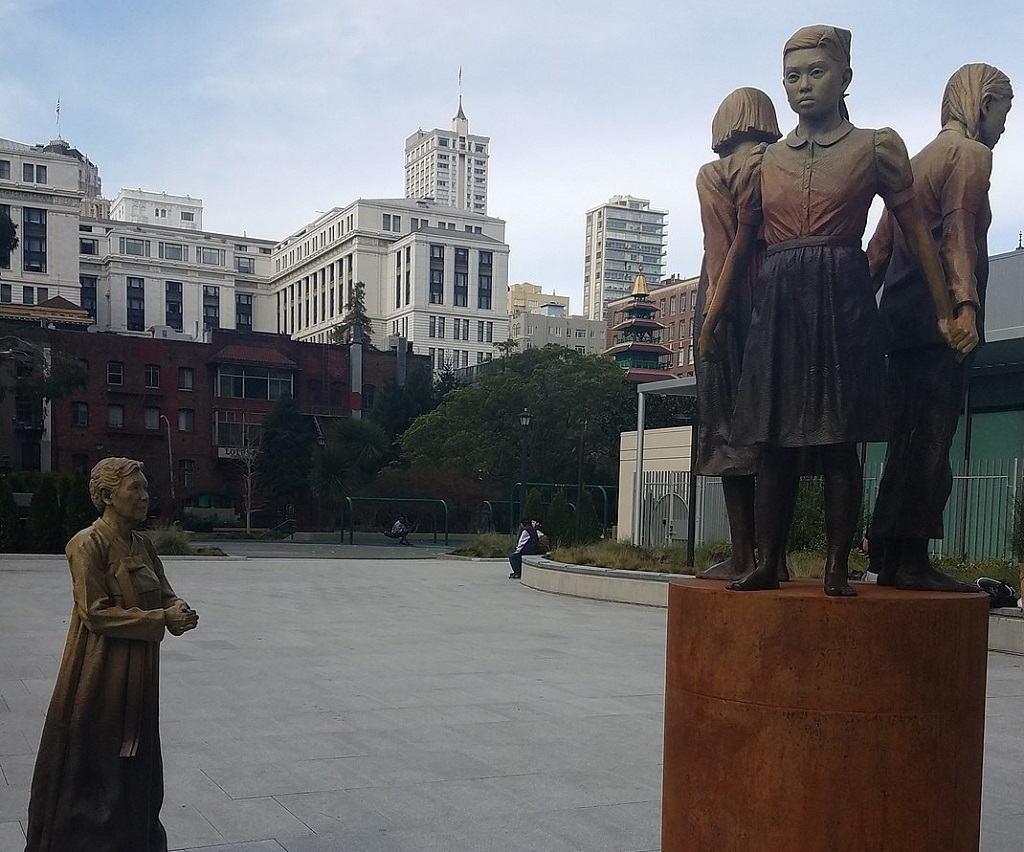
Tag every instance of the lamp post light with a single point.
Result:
(525, 419)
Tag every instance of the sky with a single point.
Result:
(273, 111)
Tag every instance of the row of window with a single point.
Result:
(453, 359)
(460, 329)
(151, 375)
(151, 417)
(29, 295)
(138, 247)
(30, 172)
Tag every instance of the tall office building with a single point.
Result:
(621, 236)
(448, 166)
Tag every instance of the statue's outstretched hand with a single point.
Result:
(961, 332)
(180, 618)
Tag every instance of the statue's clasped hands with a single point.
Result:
(961, 331)
(180, 618)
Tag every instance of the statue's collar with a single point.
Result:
(825, 139)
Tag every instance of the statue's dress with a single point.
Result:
(729, 191)
(98, 782)
(814, 364)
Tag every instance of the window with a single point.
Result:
(210, 256)
(249, 382)
(211, 306)
(186, 470)
(5, 294)
(28, 172)
(151, 418)
(152, 375)
(461, 289)
(136, 304)
(484, 293)
(186, 378)
(28, 295)
(5, 169)
(33, 239)
(436, 287)
(173, 305)
(186, 420)
(115, 416)
(432, 327)
(440, 326)
(187, 216)
(245, 265)
(134, 246)
(79, 414)
(115, 373)
(385, 222)
(173, 251)
(437, 252)
(40, 174)
(243, 311)
(89, 247)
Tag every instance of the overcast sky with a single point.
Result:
(273, 110)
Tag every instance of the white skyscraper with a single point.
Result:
(621, 235)
(448, 166)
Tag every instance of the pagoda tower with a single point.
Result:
(637, 346)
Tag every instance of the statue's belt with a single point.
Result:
(831, 240)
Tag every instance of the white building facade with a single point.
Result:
(621, 235)
(432, 274)
(551, 325)
(138, 277)
(158, 208)
(39, 190)
(448, 166)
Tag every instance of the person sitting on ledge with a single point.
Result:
(400, 530)
(529, 544)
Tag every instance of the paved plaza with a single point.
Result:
(402, 705)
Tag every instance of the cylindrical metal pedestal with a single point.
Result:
(795, 722)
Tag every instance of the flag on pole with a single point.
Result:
(58, 108)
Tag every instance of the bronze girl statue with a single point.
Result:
(814, 364)
(729, 191)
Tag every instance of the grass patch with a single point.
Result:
(488, 546)
(623, 556)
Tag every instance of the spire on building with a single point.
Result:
(640, 288)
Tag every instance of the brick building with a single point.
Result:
(182, 406)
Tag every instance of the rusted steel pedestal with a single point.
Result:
(795, 722)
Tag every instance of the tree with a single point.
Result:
(41, 372)
(355, 325)
(245, 459)
(76, 504)
(507, 348)
(10, 524)
(397, 407)
(354, 452)
(286, 455)
(476, 429)
(559, 520)
(8, 237)
(43, 526)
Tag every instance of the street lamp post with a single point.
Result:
(170, 460)
(525, 418)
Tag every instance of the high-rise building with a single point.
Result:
(448, 166)
(158, 208)
(621, 236)
(434, 275)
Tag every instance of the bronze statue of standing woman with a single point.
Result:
(926, 380)
(814, 365)
(98, 781)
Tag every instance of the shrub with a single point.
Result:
(970, 570)
(488, 546)
(1017, 525)
(711, 553)
(10, 524)
(808, 529)
(171, 540)
(79, 511)
(43, 525)
(559, 521)
(196, 523)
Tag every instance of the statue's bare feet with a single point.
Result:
(837, 581)
(931, 579)
(760, 579)
(724, 570)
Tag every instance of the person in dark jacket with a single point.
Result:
(528, 545)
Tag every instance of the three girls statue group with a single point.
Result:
(798, 360)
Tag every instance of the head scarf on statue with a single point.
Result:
(835, 41)
(965, 95)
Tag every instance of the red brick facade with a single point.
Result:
(179, 403)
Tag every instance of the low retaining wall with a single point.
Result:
(1005, 631)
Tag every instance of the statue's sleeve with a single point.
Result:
(963, 197)
(167, 596)
(717, 218)
(101, 610)
(892, 167)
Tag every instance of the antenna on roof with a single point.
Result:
(57, 111)
(1020, 240)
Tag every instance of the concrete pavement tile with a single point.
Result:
(12, 837)
(334, 811)
(248, 820)
(252, 846)
(187, 827)
(14, 741)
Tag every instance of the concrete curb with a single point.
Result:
(645, 588)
